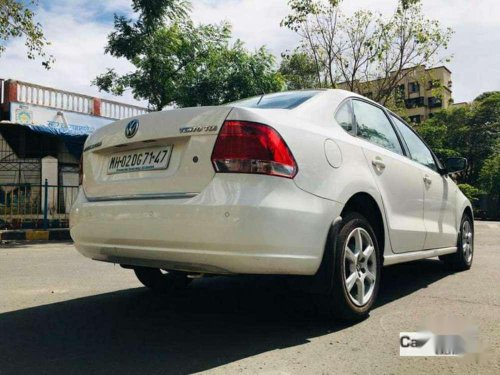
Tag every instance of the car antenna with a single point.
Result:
(262, 92)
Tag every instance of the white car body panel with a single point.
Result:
(190, 218)
(440, 216)
(238, 224)
(158, 128)
(404, 206)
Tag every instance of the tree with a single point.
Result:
(486, 95)
(298, 70)
(163, 59)
(471, 131)
(356, 48)
(17, 20)
(229, 73)
(178, 63)
(316, 23)
(489, 176)
(366, 47)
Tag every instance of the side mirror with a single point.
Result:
(454, 165)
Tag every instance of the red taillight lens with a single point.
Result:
(80, 171)
(248, 147)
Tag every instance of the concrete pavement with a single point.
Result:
(61, 313)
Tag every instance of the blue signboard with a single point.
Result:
(54, 121)
(72, 127)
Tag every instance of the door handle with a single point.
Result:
(427, 180)
(378, 163)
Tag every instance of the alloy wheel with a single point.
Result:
(467, 241)
(360, 266)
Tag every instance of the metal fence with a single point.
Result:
(35, 205)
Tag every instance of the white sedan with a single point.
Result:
(324, 183)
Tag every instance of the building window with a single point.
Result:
(400, 92)
(417, 119)
(415, 102)
(434, 84)
(435, 102)
(413, 87)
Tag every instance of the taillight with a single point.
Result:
(80, 171)
(248, 147)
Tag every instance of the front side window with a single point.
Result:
(344, 116)
(419, 152)
(374, 126)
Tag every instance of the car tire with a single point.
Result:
(461, 260)
(161, 281)
(356, 267)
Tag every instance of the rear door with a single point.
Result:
(398, 181)
(440, 193)
(159, 154)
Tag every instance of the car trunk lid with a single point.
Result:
(160, 154)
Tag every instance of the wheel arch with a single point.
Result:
(468, 211)
(366, 205)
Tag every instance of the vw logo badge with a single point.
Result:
(131, 128)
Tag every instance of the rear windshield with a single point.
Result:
(281, 100)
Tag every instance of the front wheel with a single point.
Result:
(161, 281)
(462, 259)
(356, 270)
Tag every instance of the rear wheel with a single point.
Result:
(356, 270)
(462, 259)
(160, 280)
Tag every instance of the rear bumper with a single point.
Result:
(237, 224)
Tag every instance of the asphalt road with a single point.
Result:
(61, 313)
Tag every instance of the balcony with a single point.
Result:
(415, 102)
(434, 102)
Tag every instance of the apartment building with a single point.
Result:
(424, 91)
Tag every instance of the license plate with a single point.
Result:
(149, 159)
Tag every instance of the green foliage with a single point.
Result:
(489, 177)
(486, 95)
(230, 73)
(300, 12)
(471, 131)
(16, 21)
(471, 192)
(298, 70)
(178, 63)
(405, 4)
(436, 131)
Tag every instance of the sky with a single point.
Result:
(78, 29)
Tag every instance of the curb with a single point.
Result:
(35, 235)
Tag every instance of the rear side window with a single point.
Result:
(344, 116)
(419, 152)
(279, 100)
(374, 126)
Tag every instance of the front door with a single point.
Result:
(439, 212)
